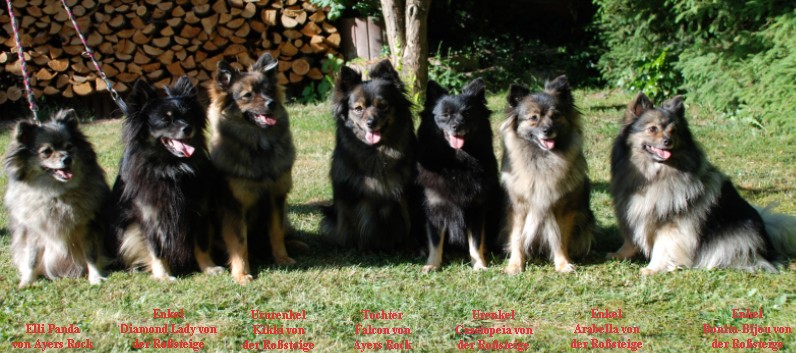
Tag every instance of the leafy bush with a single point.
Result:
(319, 91)
(505, 59)
(354, 8)
(443, 70)
(736, 57)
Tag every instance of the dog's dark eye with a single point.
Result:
(46, 152)
(359, 109)
(652, 129)
(384, 107)
(68, 146)
(534, 117)
(246, 96)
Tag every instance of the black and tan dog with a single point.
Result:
(459, 172)
(161, 194)
(253, 149)
(545, 174)
(373, 163)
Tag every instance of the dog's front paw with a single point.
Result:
(96, 279)
(614, 256)
(165, 277)
(430, 268)
(284, 260)
(478, 266)
(214, 270)
(513, 269)
(242, 279)
(646, 271)
(565, 267)
(25, 283)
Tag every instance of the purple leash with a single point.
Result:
(90, 54)
(31, 99)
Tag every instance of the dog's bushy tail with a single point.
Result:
(781, 229)
(59, 264)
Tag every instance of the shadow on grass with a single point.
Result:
(605, 108)
(321, 255)
(765, 191)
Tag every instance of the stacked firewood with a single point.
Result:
(160, 40)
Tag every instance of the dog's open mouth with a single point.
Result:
(372, 136)
(264, 120)
(178, 147)
(454, 140)
(60, 174)
(547, 144)
(658, 153)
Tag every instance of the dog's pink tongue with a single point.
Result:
(663, 154)
(64, 174)
(548, 143)
(373, 137)
(269, 120)
(187, 150)
(456, 141)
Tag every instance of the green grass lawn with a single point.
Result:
(666, 313)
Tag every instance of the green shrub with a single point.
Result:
(320, 91)
(735, 57)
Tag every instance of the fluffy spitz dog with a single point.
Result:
(55, 195)
(677, 208)
(458, 171)
(253, 148)
(373, 163)
(545, 174)
(162, 190)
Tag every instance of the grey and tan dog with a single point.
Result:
(56, 192)
(545, 175)
(253, 149)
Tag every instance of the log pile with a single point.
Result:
(160, 40)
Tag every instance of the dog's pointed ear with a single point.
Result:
(225, 75)
(25, 132)
(433, 93)
(265, 64)
(66, 117)
(182, 88)
(476, 88)
(636, 108)
(516, 94)
(560, 88)
(385, 71)
(142, 93)
(346, 80)
(675, 105)
(15, 160)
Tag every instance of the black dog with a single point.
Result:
(161, 220)
(459, 171)
(373, 164)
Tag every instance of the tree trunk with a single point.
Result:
(415, 59)
(393, 12)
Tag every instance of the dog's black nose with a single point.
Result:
(547, 129)
(667, 142)
(270, 104)
(371, 122)
(66, 160)
(187, 130)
